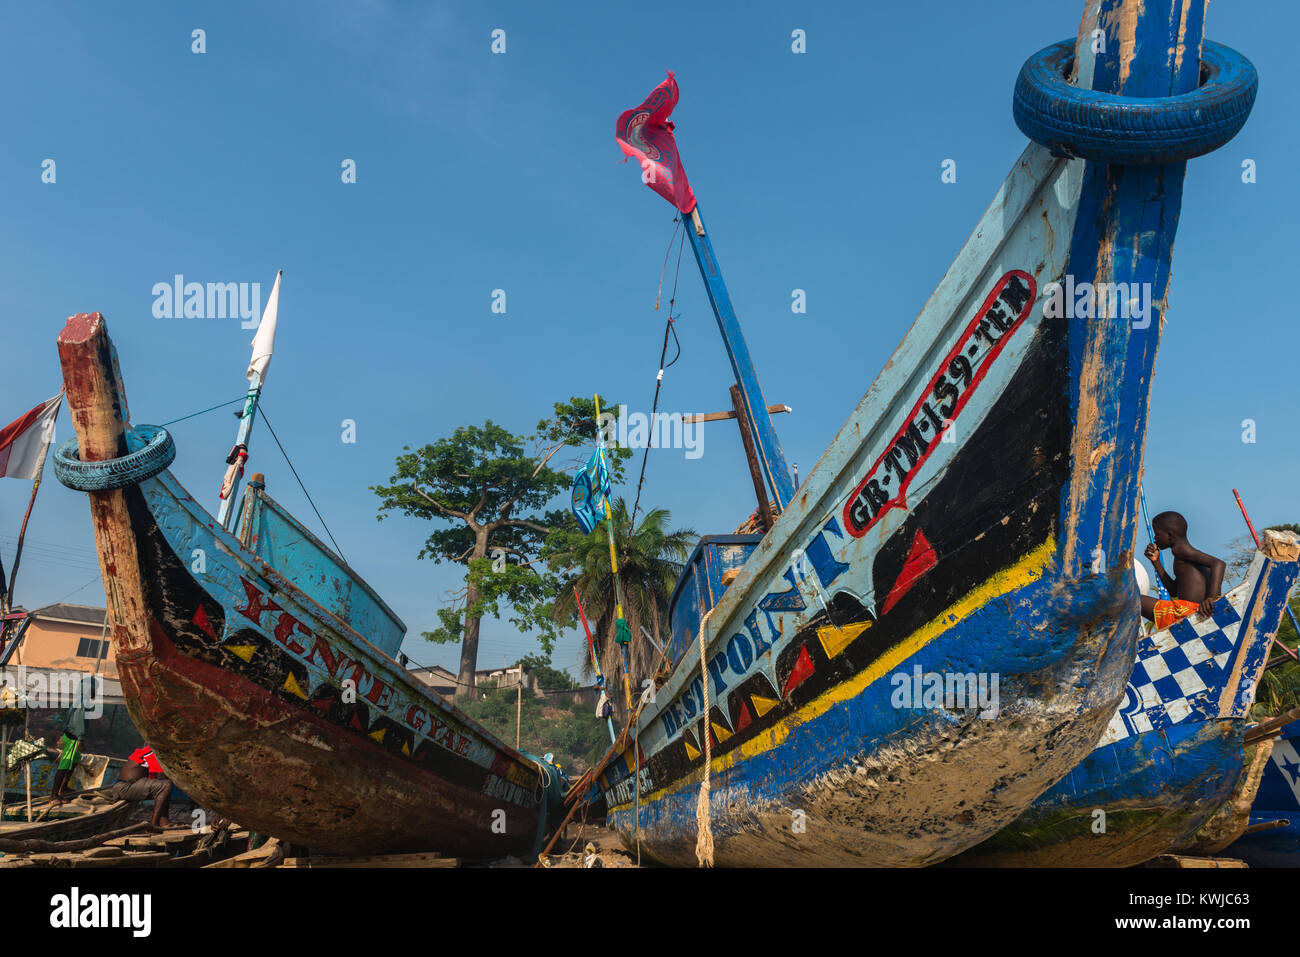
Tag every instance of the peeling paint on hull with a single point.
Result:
(263, 705)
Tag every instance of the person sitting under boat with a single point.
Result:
(134, 784)
(1197, 577)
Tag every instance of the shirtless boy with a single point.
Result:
(1197, 577)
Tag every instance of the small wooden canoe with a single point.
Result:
(85, 820)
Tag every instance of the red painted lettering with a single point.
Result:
(257, 603)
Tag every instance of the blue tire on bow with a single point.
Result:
(152, 450)
(1133, 130)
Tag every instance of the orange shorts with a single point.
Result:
(1167, 612)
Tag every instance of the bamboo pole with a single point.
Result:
(618, 586)
(27, 765)
(1269, 728)
(4, 766)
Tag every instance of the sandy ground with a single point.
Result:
(572, 850)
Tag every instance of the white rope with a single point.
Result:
(703, 814)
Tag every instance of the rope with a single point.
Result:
(703, 822)
(677, 223)
(262, 408)
(212, 409)
(659, 381)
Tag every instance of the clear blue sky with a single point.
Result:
(477, 171)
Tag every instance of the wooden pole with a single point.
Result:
(618, 586)
(22, 531)
(751, 453)
(1295, 624)
(4, 766)
(36, 487)
(27, 765)
(519, 705)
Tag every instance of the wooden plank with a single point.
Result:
(375, 860)
(719, 416)
(1185, 861)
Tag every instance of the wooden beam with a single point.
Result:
(716, 416)
(751, 453)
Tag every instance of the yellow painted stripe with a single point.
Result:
(1024, 572)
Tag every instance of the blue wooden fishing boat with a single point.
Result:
(1273, 836)
(1174, 751)
(261, 668)
(968, 530)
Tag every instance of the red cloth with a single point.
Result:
(1165, 613)
(646, 134)
(145, 756)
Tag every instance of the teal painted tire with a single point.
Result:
(153, 450)
(1130, 130)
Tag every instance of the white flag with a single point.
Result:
(24, 441)
(264, 340)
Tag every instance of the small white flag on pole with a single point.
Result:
(24, 442)
(264, 340)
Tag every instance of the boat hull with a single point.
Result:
(263, 705)
(250, 718)
(1173, 754)
(1275, 813)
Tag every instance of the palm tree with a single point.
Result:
(650, 560)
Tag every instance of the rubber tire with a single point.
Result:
(1131, 130)
(154, 451)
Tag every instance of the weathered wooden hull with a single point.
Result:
(974, 517)
(1277, 802)
(1230, 821)
(1172, 756)
(263, 705)
(96, 821)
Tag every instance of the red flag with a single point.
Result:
(24, 441)
(646, 134)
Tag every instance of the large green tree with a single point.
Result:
(649, 561)
(489, 489)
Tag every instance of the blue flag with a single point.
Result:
(590, 489)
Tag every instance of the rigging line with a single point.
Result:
(200, 412)
(659, 381)
(262, 409)
(75, 590)
(677, 220)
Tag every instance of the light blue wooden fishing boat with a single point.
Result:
(971, 526)
(1174, 751)
(261, 669)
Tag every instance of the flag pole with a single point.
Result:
(622, 634)
(263, 344)
(591, 646)
(239, 454)
(771, 456)
(22, 531)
